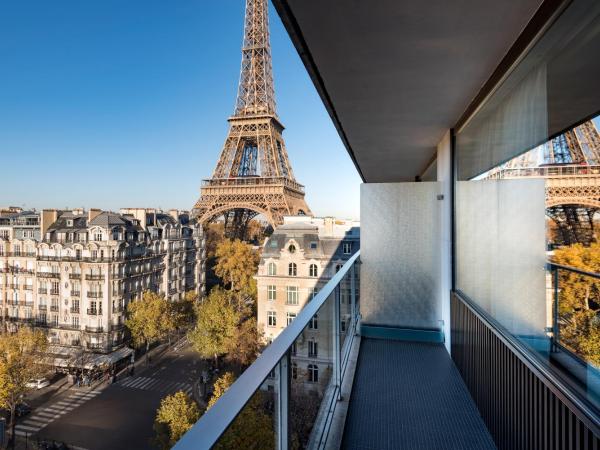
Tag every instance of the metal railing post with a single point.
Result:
(283, 403)
(337, 369)
(353, 298)
(555, 328)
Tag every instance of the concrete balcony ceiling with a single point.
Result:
(396, 75)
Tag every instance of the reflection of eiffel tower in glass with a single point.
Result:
(570, 163)
(253, 175)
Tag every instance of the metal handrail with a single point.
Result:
(211, 426)
(550, 264)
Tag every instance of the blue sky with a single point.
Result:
(124, 103)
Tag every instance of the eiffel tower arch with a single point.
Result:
(253, 174)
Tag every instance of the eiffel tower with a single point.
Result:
(253, 175)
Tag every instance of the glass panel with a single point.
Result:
(528, 169)
(575, 325)
(255, 426)
(311, 374)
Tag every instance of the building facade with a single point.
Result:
(300, 257)
(74, 272)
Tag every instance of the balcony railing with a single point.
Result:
(54, 292)
(75, 293)
(545, 172)
(94, 311)
(95, 295)
(54, 308)
(74, 309)
(48, 274)
(276, 360)
(253, 181)
(42, 290)
(94, 277)
(569, 345)
(75, 276)
(91, 329)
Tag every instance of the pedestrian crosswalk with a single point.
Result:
(156, 384)
(44, 416)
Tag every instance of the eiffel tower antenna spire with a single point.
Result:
(253, 174)
(256, 93)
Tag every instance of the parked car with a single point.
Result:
(38, 383)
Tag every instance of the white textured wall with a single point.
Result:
(400, 248)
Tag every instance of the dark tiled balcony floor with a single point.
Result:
(409, 395)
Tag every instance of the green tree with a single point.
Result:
(579, 301)
(175, 416)
(252, 428)
(150, 319)
(237, 264)
(22, 358)
(216, 323)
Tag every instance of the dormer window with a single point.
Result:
(69, 223)
(97, 236)
(313, 245)
(347, 248)
(292, 248)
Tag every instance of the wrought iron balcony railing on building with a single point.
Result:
(95, 295)
(275, 365)
(94, 277)
(74, 310)
(75, 276)
(94, 311)
(91, 329)
(48, 274)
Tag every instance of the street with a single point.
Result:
(117, 416)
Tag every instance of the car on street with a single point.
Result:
(38, 383)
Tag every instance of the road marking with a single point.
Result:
(156, 384)
(40, 419)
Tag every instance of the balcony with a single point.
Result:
(42, 307)
(92, 329)
(54, 308)
(95, 277)
(75, 293)
(42, 290)
(94, 312)
(48, 275)
(74, 309)
(95, 294)
(54, 292)
(28, 287)
(75, 276)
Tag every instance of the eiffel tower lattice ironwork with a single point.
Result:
(253, 175)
